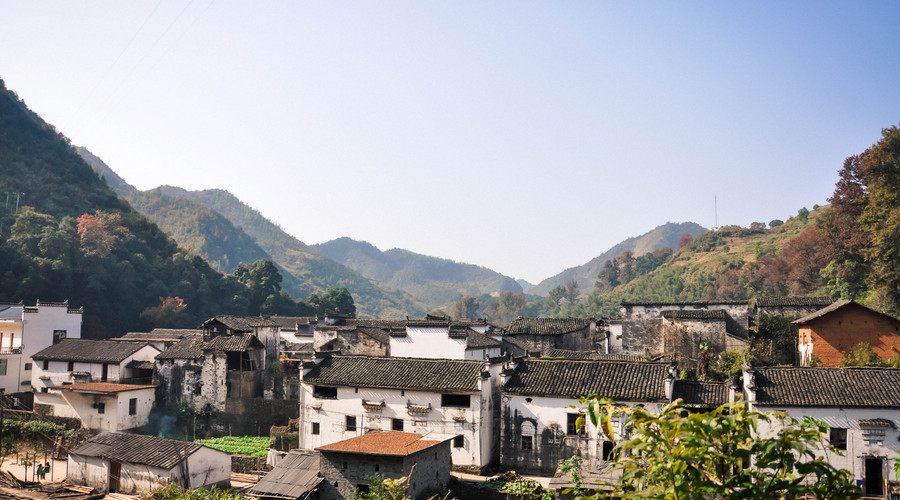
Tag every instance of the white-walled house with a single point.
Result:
(25, 330)
(538, 424)
(80, 361)
(444, 339)
(107, 407)
(132, 463)
(345, 396)
(861, 406)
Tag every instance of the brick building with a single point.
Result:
(829, 333)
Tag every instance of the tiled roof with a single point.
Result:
(791, 301)
(190, 347)
(547, 326)
(238, 342)
(591, 355)
(295, 477)
(840, 304)
(291, 322)
(515, 342)
(397, 373)
(395, 443)
(851, 386)
(477, 340)
(619, 380)
(697, 303)
(103, 387)
(694, 314)
(160, 334)
(137, 449)
(378, 334)
(377, 323)
(92, 351)
(241, 323)
(707, 394)
(141, 365)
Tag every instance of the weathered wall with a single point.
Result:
(208, 467)
(254, 417)
(682, 338)
(642, 324)
(580, 340)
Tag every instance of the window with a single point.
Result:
(351, 423)
(377, 467)
(132, 406)
(197, 388)
(345, 465)
(322, 392)
(58, 335)
(396, 424)
(607, 450)
(315, 428)
(101, 407)
(527, 443)
(27, 367)
(3, 363)
(45, 365)
(459, 442)
(571, 424)
(71, 366)
(456, 400)
(837, 436)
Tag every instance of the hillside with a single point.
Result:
(666, 235)
(67, 236)
(431, 280)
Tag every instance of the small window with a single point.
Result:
(58, 336)
(572, 424)
(71, 366)
(396, 424)
(607, 450)
(351, 423)
(345, 465)
(44, 389)
(456, 400)
(527, 443)
(322, 392)
(197, 388)
(377, 467)
(27, 367)
(132, 406)
(459, 442)
(45, 365)
(3, 363)
(837, 436)
(315, 428)
(101, 407)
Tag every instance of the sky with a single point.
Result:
(526, 137)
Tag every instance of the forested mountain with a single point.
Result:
(65, 235)
(666, 235)
(431, 280)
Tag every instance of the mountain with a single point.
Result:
(666, 235)
(65, 235)
(116, 183)
(431, 280)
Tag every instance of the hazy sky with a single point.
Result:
(527, 137)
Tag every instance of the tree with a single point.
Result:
(775, 223)
(803, 215)
(261, 279)
(684, 240)
(336, 299)
(730, 452)
(510, 307)
(465, 308)
(572, 292)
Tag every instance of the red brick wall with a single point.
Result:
(835, 334)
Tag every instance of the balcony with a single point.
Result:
(11, 350)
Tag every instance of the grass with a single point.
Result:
(254, 446)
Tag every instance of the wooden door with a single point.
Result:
(115, 470)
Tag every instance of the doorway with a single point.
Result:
(115, 470)
(874, 480)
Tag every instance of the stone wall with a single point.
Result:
(254, 417)
(248, 465)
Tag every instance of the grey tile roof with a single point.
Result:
(295, 477)
(619, 380)
(397, 373)
(377, 323)
(160, 334)
(694, 314)
(477, 340)
(137, 449)
(92, 351)
(241, 323)
(190, 347)
(291, 322)
(705, 394)
(514, 342)
(689, 303)
(376, 333)
(840, 304)
(238, 342)
(591, 355)
(547, 326)
(851, 386)
(791, 301)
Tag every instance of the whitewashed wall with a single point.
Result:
(58, 372)
(428, 342)
(33, 331)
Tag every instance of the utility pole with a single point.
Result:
(716, 210)
(17, 201)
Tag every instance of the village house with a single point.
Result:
(861, 406)
(440, 338)
(132, 463)
(347, 465)
(266, 331)
(104, 406)
(25, 330)
(538, 424)
(347, 396)
(539, 335)
(160, 338)
(831, 332)
(788, 307)
(352, 339)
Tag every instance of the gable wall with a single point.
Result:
(428, 342)
(835, 334)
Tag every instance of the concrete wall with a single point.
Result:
(474, 424)
(831, 336)
(208, 467)
(31, 330)
(428, 342)
(115, 416)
